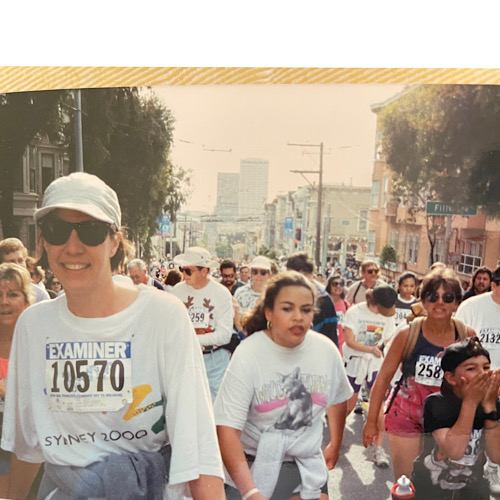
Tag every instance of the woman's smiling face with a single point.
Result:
(79, 266)
(12, 302)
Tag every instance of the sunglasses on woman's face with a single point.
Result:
(447, 297)
(189, 271)
(263, 272)
(338, 283)
(90, 232)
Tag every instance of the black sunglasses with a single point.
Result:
(263, 272)
(91, 232)
(187, 270)
(447, 297)
(227, 275)
(372, 271)
(337, 283)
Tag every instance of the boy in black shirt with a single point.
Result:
(460, 423)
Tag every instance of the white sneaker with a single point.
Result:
(358, 409)
(380, 457)
(491, 475)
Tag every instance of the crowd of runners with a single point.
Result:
(213, 379)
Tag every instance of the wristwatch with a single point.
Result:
(492, 415)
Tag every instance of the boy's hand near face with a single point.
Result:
(475, 390)
(489, 400)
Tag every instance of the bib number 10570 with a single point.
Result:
(75, 375)
(88, 376)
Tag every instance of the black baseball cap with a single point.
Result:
(385, 297)
(457, 353)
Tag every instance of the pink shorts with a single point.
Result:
(405, 416)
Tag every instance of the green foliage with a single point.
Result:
(127, 137)
(441, 143)
(270, 253)
(223, 251)
(387, 255)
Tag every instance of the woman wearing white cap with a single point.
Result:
(106, 384)
(260, 272)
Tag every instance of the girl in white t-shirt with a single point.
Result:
(278, 385)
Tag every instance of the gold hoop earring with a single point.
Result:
(269, 325)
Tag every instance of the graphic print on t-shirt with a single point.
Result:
(201, 316)
(298, 411)
(371, 335)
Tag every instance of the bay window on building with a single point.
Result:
(471, 256)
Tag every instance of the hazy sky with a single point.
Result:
(259, 120)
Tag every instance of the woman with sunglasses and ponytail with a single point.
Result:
(417, 349)
(106, 383)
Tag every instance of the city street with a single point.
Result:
(356, 476)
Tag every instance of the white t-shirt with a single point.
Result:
(368, 327)
(482, 314)
(39, 292)
(146, 357)
(256, 391)
(246, 297)
(209, 307)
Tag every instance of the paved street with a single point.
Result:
(356, 476)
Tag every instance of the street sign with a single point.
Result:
(163, 225)
(345, 222)
(440, 208)
(289, 227)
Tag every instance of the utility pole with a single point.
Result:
(317, 248)
(78, 131)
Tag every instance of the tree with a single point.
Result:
(270, 253)
(387, 256)
(127, 138)
(24, 118)
(440, 141)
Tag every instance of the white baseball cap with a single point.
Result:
(84, 192)
(195, 256)
(260, 262)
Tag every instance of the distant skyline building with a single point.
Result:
(228, 185)
(254, 181)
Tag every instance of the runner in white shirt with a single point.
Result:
(482, 314)
(106, 383)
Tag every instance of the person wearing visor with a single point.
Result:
(210, 308)
(106, 383)
(460, 425)
(418, 349)
(368, 326)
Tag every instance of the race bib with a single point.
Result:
(88, 376)
(473, 450)
(490, 337)
(199, 316)
(400, 315)
(428, 370)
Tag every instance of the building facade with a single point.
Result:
(253, 187)
(464, 243)
(40, 164)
